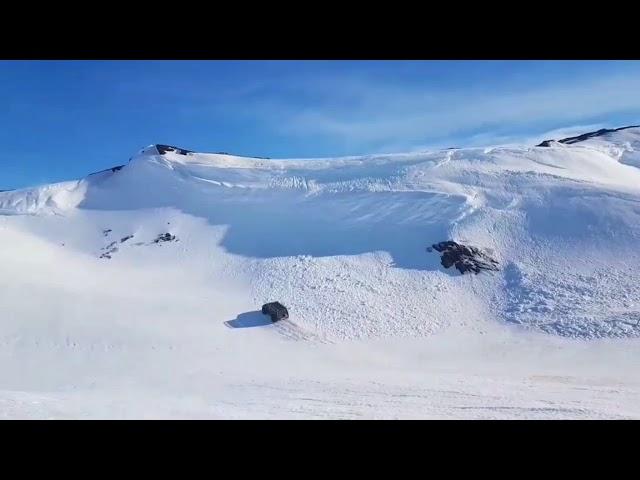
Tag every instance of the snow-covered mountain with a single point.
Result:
(144, 280)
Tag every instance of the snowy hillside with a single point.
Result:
(147, 279)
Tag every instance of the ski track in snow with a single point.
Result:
(90, 291)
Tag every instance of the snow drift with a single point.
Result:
(135, 291)
(342, 242)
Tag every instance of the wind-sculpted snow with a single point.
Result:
(135, 292)
(54, 198)
(343, 240)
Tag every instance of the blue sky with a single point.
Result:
(63, 119)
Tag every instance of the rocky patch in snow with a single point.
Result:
(112, 248)
(165, 237)
(585, 136)
(109, 250)
(464, 258)
(162, 149)
(117, 168)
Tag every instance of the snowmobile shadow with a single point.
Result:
(249, 320)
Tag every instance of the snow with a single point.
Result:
(377, 329)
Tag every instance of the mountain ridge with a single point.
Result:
(585, 136)
(136, 291)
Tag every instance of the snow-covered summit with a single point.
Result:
(562, 220)
(473, 173)
(136, 291)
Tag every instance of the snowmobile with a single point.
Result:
(276, 311)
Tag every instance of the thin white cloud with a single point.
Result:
(362, 113)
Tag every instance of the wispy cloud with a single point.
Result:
(365, 114)
(359, 111)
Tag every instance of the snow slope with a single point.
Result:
(101, 318)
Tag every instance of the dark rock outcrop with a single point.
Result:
(162, 149)
(165, 237)
(113, 248)
(109, 250)
(464, 258)
(585, 136)
(112, 170)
